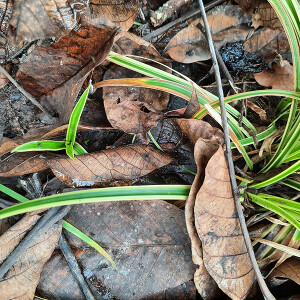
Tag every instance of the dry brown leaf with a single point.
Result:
(225, 254)
(290, 269)
(121, 13)
(3, 79)
(248, 5)
(22, 278)
(133, 110)
(33, 20)
(266, 16)
(268, 43)
(109, 166)
(281, 78)
(66, 64)
(7, 145)
(146, 239)
(17, 164)
(226, 24)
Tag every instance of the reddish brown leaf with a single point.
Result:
(226, 23)
(133, 110)
(33, 20)
(109, 166)
(290, 269)
(146, 239)
(279, 78)
(268, 43)
(22, 278)
(224, 251)
(55, 73)
(248, 4)
(121, 13)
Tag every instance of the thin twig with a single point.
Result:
(187, 16)
(26, 94)
(68, 254)
(267, 294)
(52, 216)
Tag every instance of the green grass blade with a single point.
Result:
(78, 149)
(12, 193)
(292, 184)
(127, 193)
(41, 146)
(270, 205)
(88, 240)
(74, 121)
(293, 168)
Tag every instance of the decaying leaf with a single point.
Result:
(32, 20)
(121, 13)
(268, 43)
(225, 254)
(266, 16)
(3, 79)
(109, 166)
(146, 239)
(22, 278)
(227, 24)
(290, 269)
(280, 77)
(132, 109)
(55, 73)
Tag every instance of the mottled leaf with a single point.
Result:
(22, 278)
(227, 24)
(54, 74)
(147, 240)
(121, 13)
(224, 250)
(109, 166)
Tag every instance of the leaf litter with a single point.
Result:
(145, 238)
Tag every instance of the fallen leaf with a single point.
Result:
(266, 16)
(121, 13)
(132, 109)
(290, 269)
(268, 43)
(146, 239)
(66, 64)
(248, 4)
(281, 78)
(33, 20)
(227, 24)
(3, 79)
(22, 278)
(108, 166)
(16, 164)
(225, 254)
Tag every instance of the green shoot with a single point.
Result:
(41, 146)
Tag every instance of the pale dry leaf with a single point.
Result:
(225, 253)
(227, 24)
(109, 166)
(32, 20)
(281, 78)
(22, 278)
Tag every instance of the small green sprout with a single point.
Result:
(72, 148)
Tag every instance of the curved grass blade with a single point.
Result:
(41, 146)
(78, 149)
(88, 240)
(74, 121)
(270, 205)
(293, 168)
(292, 184)
(127, 193)
(4, 189)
